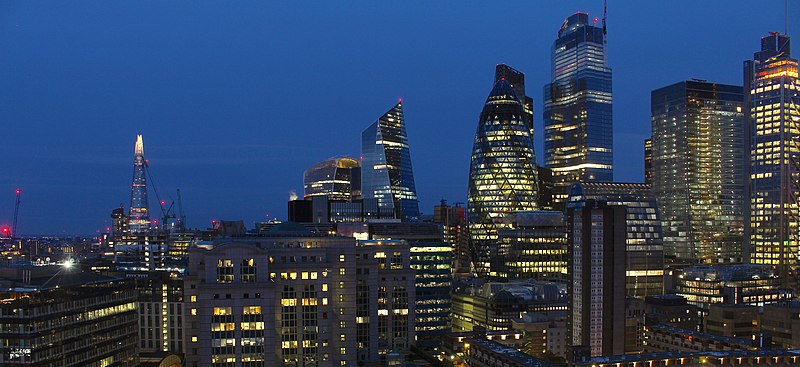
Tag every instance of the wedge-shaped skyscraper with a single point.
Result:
(502, 176)
(387, 174)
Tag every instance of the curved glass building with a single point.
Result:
(386, 158)
(502, 176)
(336, 178)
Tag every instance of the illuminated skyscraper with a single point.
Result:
(502, 177)
(698, 170)
(577, 108)
(387, 174)
(336, 178)
(772, 107)
(648, 161)
(138, 213)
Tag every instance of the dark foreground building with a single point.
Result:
(57, 316)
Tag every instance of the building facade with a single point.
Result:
(535, 247)
(577, 108)
(741, 284)
(597, 284)
(644, 250)
(387, 173)
(502, 177)
(698, 170)
(336, 178)
(292, 297)
(772, 108)
(54, 316)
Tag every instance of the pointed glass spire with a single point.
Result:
(139, 214)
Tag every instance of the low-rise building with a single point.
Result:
(781, 322)
(487, 353)
(60, 316)
(739, 284)
(735, 321)
(665, 338)
(494, 305)
(733, 358)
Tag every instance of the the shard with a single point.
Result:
(139, 213)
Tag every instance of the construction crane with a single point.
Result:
(16, 214)
(181, 216)
(166, 212)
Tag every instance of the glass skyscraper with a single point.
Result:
(502, 175)
(387, 174)
(772, 107)
(698, 170)
(139, 213)
(336, 178)
(577, 108)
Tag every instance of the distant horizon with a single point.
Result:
(235, 101)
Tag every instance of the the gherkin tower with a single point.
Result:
(502, 176)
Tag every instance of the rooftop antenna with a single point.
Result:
(786, 17)
(16, 214)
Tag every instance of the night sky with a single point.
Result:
(235, 99)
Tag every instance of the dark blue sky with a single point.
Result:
(235, 99)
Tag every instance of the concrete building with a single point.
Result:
(160, 312)
(494, 305)
(292, 297)
(733, 321)
(733, 358)
(781, 322)
(486, 353)
(747, 284)
(665, 338)
(60, 316)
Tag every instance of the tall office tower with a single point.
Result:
(138, 213)
(502, 175)
(698, 170)
(160, 311)
(334, 178)
(517, 80)
(453, 220)
(648, 161)
(577, 108)
(644, 249)
(535, 247)
(386, 158)
(60, 316)
(597, 233)
(772, 107)
(544, 177)
(119, 222)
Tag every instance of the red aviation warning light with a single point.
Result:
(6, 231)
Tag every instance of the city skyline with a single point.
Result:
(251, 153)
